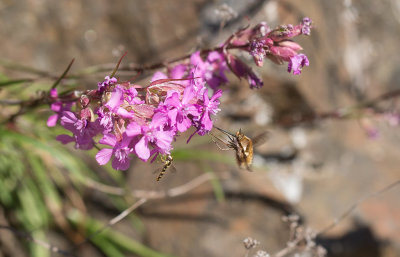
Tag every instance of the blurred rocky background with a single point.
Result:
(317, 168)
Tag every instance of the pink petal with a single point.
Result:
(56, 107)
(184, 124)
(52, 121)
(159, 120)
(115, 99)
(124, 113)
(104, 156)
(108, 139)
(158, 75)
(133, 129)
(214, 56)
(207, 122)
(178, 71)
(121, 165)
(172, 116)
(53, 93)
(68, 118)
(65, 139)
(142, 151)
(293, 45)
(164, 139)
(195, 59)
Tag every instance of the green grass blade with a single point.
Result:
(216, 185)
(13, 82)
(118, 239)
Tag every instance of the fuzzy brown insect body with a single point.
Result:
(244, 150)
(243, 147)
(167, 163)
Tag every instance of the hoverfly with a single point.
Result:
(167, 160)
(242, 145)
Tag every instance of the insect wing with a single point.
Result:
(260, 138)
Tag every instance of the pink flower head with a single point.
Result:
(53, 93)
(306, 28)
(101, 86)
(116, 99)
(209, 107)
(181, 111)
(83, 131)
(178, 71)
(152, 134)
(257, 50)
(120, 150)
(212, 70)
(106, 119)
(297, 62)
(58, 107)
(284, 50)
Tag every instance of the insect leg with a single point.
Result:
(223, 149)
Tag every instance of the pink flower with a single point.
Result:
(297, 62)
(152, 134)
(306, 29)
(181, 111)
(209, 107)
(83, 131)
(212, 70)
(120, 150)
(144, 120)
(101, 86)
(58, 107)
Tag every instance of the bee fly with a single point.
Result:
(167, 160)
(242, 145)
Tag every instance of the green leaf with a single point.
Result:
(216, 184)
(109, 249)
(13, 82)
(33, 212)
(118, 239)
(38, 250)
(201, 155)
(47, 188)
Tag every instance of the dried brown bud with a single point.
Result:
(250, 243)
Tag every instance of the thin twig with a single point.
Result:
(10, 102)
(173, 192)
(114, 221)
(27, 69)
(63, 74)
(44, 244)
(148, 194)
(103, 187)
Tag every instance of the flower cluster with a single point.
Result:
(136, 120)
(259, 41)
(131, 119)
(276, 45)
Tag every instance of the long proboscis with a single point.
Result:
(225, 132)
